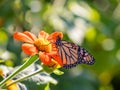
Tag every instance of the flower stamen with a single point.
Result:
(43, 45)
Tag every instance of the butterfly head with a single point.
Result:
(58, 41)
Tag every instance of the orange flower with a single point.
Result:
(43, 45)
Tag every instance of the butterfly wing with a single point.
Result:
(72, 54)
(85, 57)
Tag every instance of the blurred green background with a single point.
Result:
(93, 24)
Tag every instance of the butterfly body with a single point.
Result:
(72, 54)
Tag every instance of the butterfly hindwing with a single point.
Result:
(85, 57)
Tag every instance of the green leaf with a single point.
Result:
(47, 69)
(24, 66)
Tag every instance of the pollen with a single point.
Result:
(43, 45)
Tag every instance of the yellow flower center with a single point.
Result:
(43, 45)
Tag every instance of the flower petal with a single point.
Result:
(54, 64)
(43, 34)
(29, 34)
(22, 37)
(52, 53)
(54, 36)
(44, 58)
(58, 59)
(29, 49)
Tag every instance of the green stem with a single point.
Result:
(25, 65)
(25, 77)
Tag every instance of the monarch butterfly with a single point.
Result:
(72, 54)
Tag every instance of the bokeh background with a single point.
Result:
(93, 24)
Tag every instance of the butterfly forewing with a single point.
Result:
(68, 54)
(72, 54)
